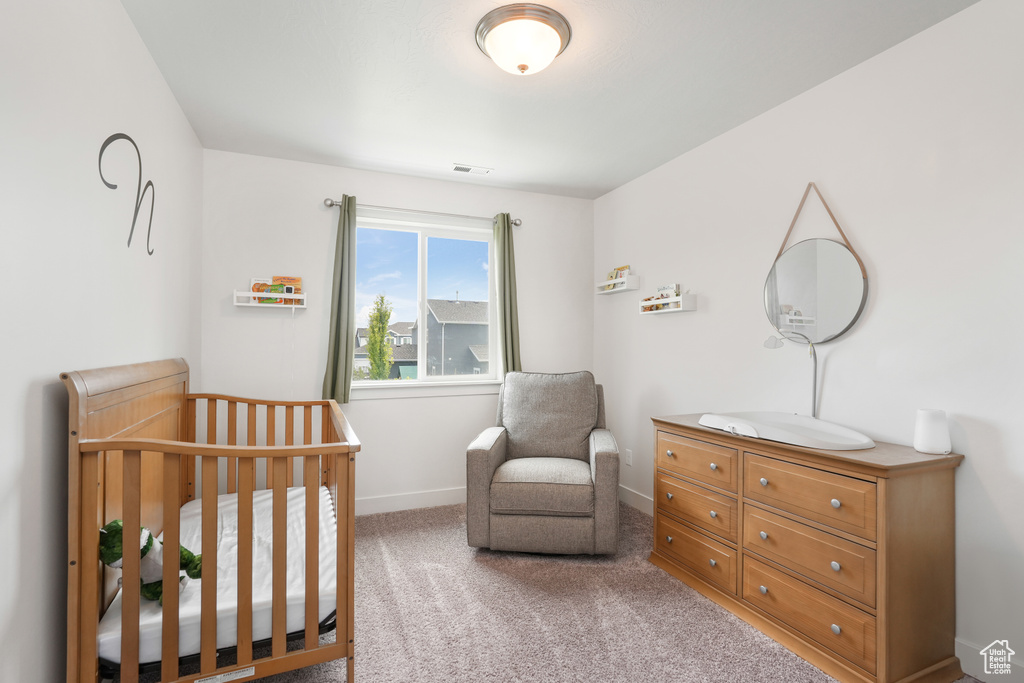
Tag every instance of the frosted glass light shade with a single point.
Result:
(523, 38)
(523, 46)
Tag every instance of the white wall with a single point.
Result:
(71, 74)
(920, 153)
(265, 217)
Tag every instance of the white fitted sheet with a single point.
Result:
(150, 632)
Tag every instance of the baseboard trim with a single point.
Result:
(636, 499)
(973, 663)
(371, 505)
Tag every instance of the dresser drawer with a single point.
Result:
(843, 502)
(811, 612)
(705, 462)
(712, 560)
(835, 562)
(711, 511)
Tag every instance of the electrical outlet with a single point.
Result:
(628, 456)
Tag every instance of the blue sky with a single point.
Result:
(386, 263)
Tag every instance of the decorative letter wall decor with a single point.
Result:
(140, 191)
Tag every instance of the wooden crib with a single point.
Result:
(141, 447)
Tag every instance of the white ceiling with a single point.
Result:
(400, 85)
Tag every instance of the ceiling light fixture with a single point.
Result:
(523, 38)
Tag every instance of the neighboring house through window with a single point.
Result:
(434, 268)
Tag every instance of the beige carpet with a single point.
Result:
(429, 608)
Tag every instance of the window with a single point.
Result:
(434, 274)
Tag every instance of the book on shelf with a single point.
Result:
(259, 285)
(617, 274)
(277, 286)
(288, 285)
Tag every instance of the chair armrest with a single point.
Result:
(483, 456)
(603, 450)
(604, 469)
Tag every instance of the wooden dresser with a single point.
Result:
(844, 557)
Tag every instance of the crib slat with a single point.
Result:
(307, 425)
(232, 441)
(271, 425)
(280, 550)
(211, 420)
(90, 570)
(172, 538)
(131, 515)
(190, 429)
(289, 439)
(251, 424)
(271, 441)
(208, 596)
(188, 465)
(246, 482)
(330, 478)
(311, 475)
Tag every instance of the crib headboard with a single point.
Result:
(143, 400)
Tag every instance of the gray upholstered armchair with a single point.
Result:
(546, 478)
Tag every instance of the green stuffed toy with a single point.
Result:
(151, 563)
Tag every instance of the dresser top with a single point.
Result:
(885, 459)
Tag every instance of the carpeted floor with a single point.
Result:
(430, 608)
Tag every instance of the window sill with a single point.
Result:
(375, 391)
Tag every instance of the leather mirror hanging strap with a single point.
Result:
(863, 271)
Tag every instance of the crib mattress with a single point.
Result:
(109, 633)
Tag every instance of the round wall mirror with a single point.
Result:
(815, 291)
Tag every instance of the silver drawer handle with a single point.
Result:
(669, 496)
(714, 466)
(713, 563)
(714, 514)
(836, 503)
(836, 566)
(668, 538)
(670, 454)
(764, 482)
(763, 535)
(764, 590)
(836, 630)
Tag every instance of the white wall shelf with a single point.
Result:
(672, 304)
(245, 297)
(622, 284)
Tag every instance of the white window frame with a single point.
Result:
(445, 226)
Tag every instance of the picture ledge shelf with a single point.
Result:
(672, 304)
(622, 284)
(244, 297)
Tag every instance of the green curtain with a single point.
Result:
(508, 315)
(341, 343)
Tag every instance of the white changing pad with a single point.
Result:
(109, 633)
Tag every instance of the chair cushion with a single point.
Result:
(543, 486)
(549, 415)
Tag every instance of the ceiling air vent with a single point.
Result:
(475, 170)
